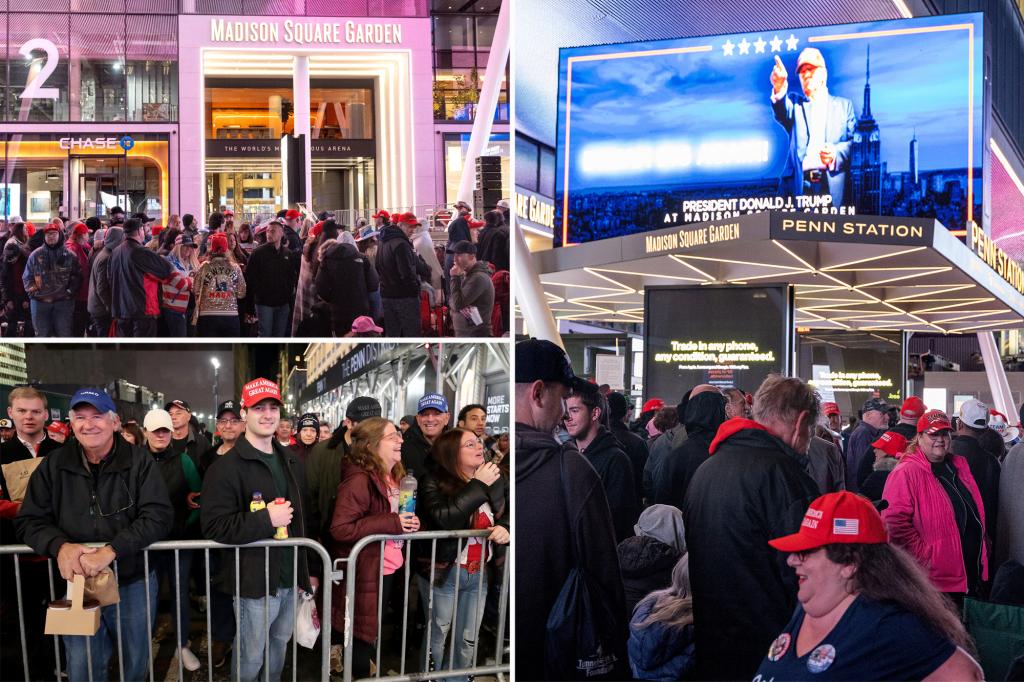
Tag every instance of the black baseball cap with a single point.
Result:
(464, 247)
(362, 408)
(116, 210)
(227, 406)
(875, 405)
(178, 403)
(542, 360)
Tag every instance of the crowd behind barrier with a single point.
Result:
(764, 541)
(101, 496)
(292, 274)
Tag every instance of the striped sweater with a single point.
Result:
(174, 292)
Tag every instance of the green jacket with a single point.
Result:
(323, 475)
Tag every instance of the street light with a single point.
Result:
(216, 381)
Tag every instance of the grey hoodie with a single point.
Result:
(99, 281)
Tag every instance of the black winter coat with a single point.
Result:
(458, 231)
(456, 512)
(270, 276)
(345, 280)
(416, 452)
(751, 489)
(985, 469)
(605, 454)
(493, 246)
(552, 521)
(646, 566)
(396, 264)
(703, 415)
(225, 516)
(130, 296)
(635, 448)
(64, 503)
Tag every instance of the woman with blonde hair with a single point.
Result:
(219, 284)
(367, 504)
(661, 630)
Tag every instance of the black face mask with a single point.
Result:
(53, 247)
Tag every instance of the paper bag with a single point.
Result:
(73, 616)
(17, 474)
(102, 587)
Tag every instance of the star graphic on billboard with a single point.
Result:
(728, 47)
(791, 42)
(776, 44)
(759, 45)
(744, 46)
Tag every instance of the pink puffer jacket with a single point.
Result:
(920, 519)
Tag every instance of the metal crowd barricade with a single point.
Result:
(191, 545)
(501, 665)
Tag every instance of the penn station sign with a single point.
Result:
(305, 33)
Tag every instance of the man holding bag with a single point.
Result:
(99, 488)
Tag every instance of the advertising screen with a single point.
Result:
(849, 367)
(881, 118)
(724, 336)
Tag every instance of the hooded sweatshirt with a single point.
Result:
(99, 278)
(647, 559)
(606, 455)
(702, 416)
(473, 289)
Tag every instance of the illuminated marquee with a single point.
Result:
(996, 258)
(714, 354)
(531, 208)
(288, 31)
(688, 238)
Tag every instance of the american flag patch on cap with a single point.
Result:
(845, 526)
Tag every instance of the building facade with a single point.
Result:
(180, 106)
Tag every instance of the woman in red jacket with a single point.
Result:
(367, 504)
(461, 493)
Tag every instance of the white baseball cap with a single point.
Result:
(974, 414)
(157, 419)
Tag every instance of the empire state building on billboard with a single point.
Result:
(866, 156)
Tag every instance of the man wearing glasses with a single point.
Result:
(100, 489)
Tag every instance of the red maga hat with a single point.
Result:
(317, 229)
(79, 228)
(933, 421)
(382, 214)
(653, 404)
(260, 389)
(830, 409)
(292, 214)
(836, 518)
(891, 443)
(912, 408)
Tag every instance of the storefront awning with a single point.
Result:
(849, 272)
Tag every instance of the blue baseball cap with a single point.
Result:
(96, 397)
(432, 401)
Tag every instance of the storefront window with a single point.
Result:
(97, 73)
(151, 68)
(38, 86)
(461, 48)
(341, 113)
(252, 190)
(455, 146)
(237, 110)
(345, 187)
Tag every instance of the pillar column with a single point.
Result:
(300, 91)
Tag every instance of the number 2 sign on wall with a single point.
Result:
(34, 89)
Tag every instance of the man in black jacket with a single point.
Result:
(562, 508)
(344, 281)
(458, 231)
(399, 282)
(134, 301)
(702, 416)
(587, 409)
(984, 466)
(259, 465)
(98, 488)
(753, 486)
(185, 437)
(633, 445)
(270, 277)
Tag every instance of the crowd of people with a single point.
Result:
(110, 488)
(748, 536)
(290, 275)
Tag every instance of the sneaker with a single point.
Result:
(336, 660)
(220, 653)
(188, 659)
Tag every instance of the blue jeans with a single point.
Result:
(273, 320)
(53, 319)
(134, 636)
(471, 600)
(252, 635)
(163, 562)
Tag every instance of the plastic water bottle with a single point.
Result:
(407, 494)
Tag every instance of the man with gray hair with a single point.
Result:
(753, 485)
(98, 488)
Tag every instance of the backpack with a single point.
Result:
(580, 639)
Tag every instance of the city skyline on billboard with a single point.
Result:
(882, 118)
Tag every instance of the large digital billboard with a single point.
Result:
(724, 336)
(849, 367)
(881, 118)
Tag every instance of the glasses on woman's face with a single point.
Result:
(803, 556)
(473, 443)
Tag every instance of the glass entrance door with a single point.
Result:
(101, 185)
